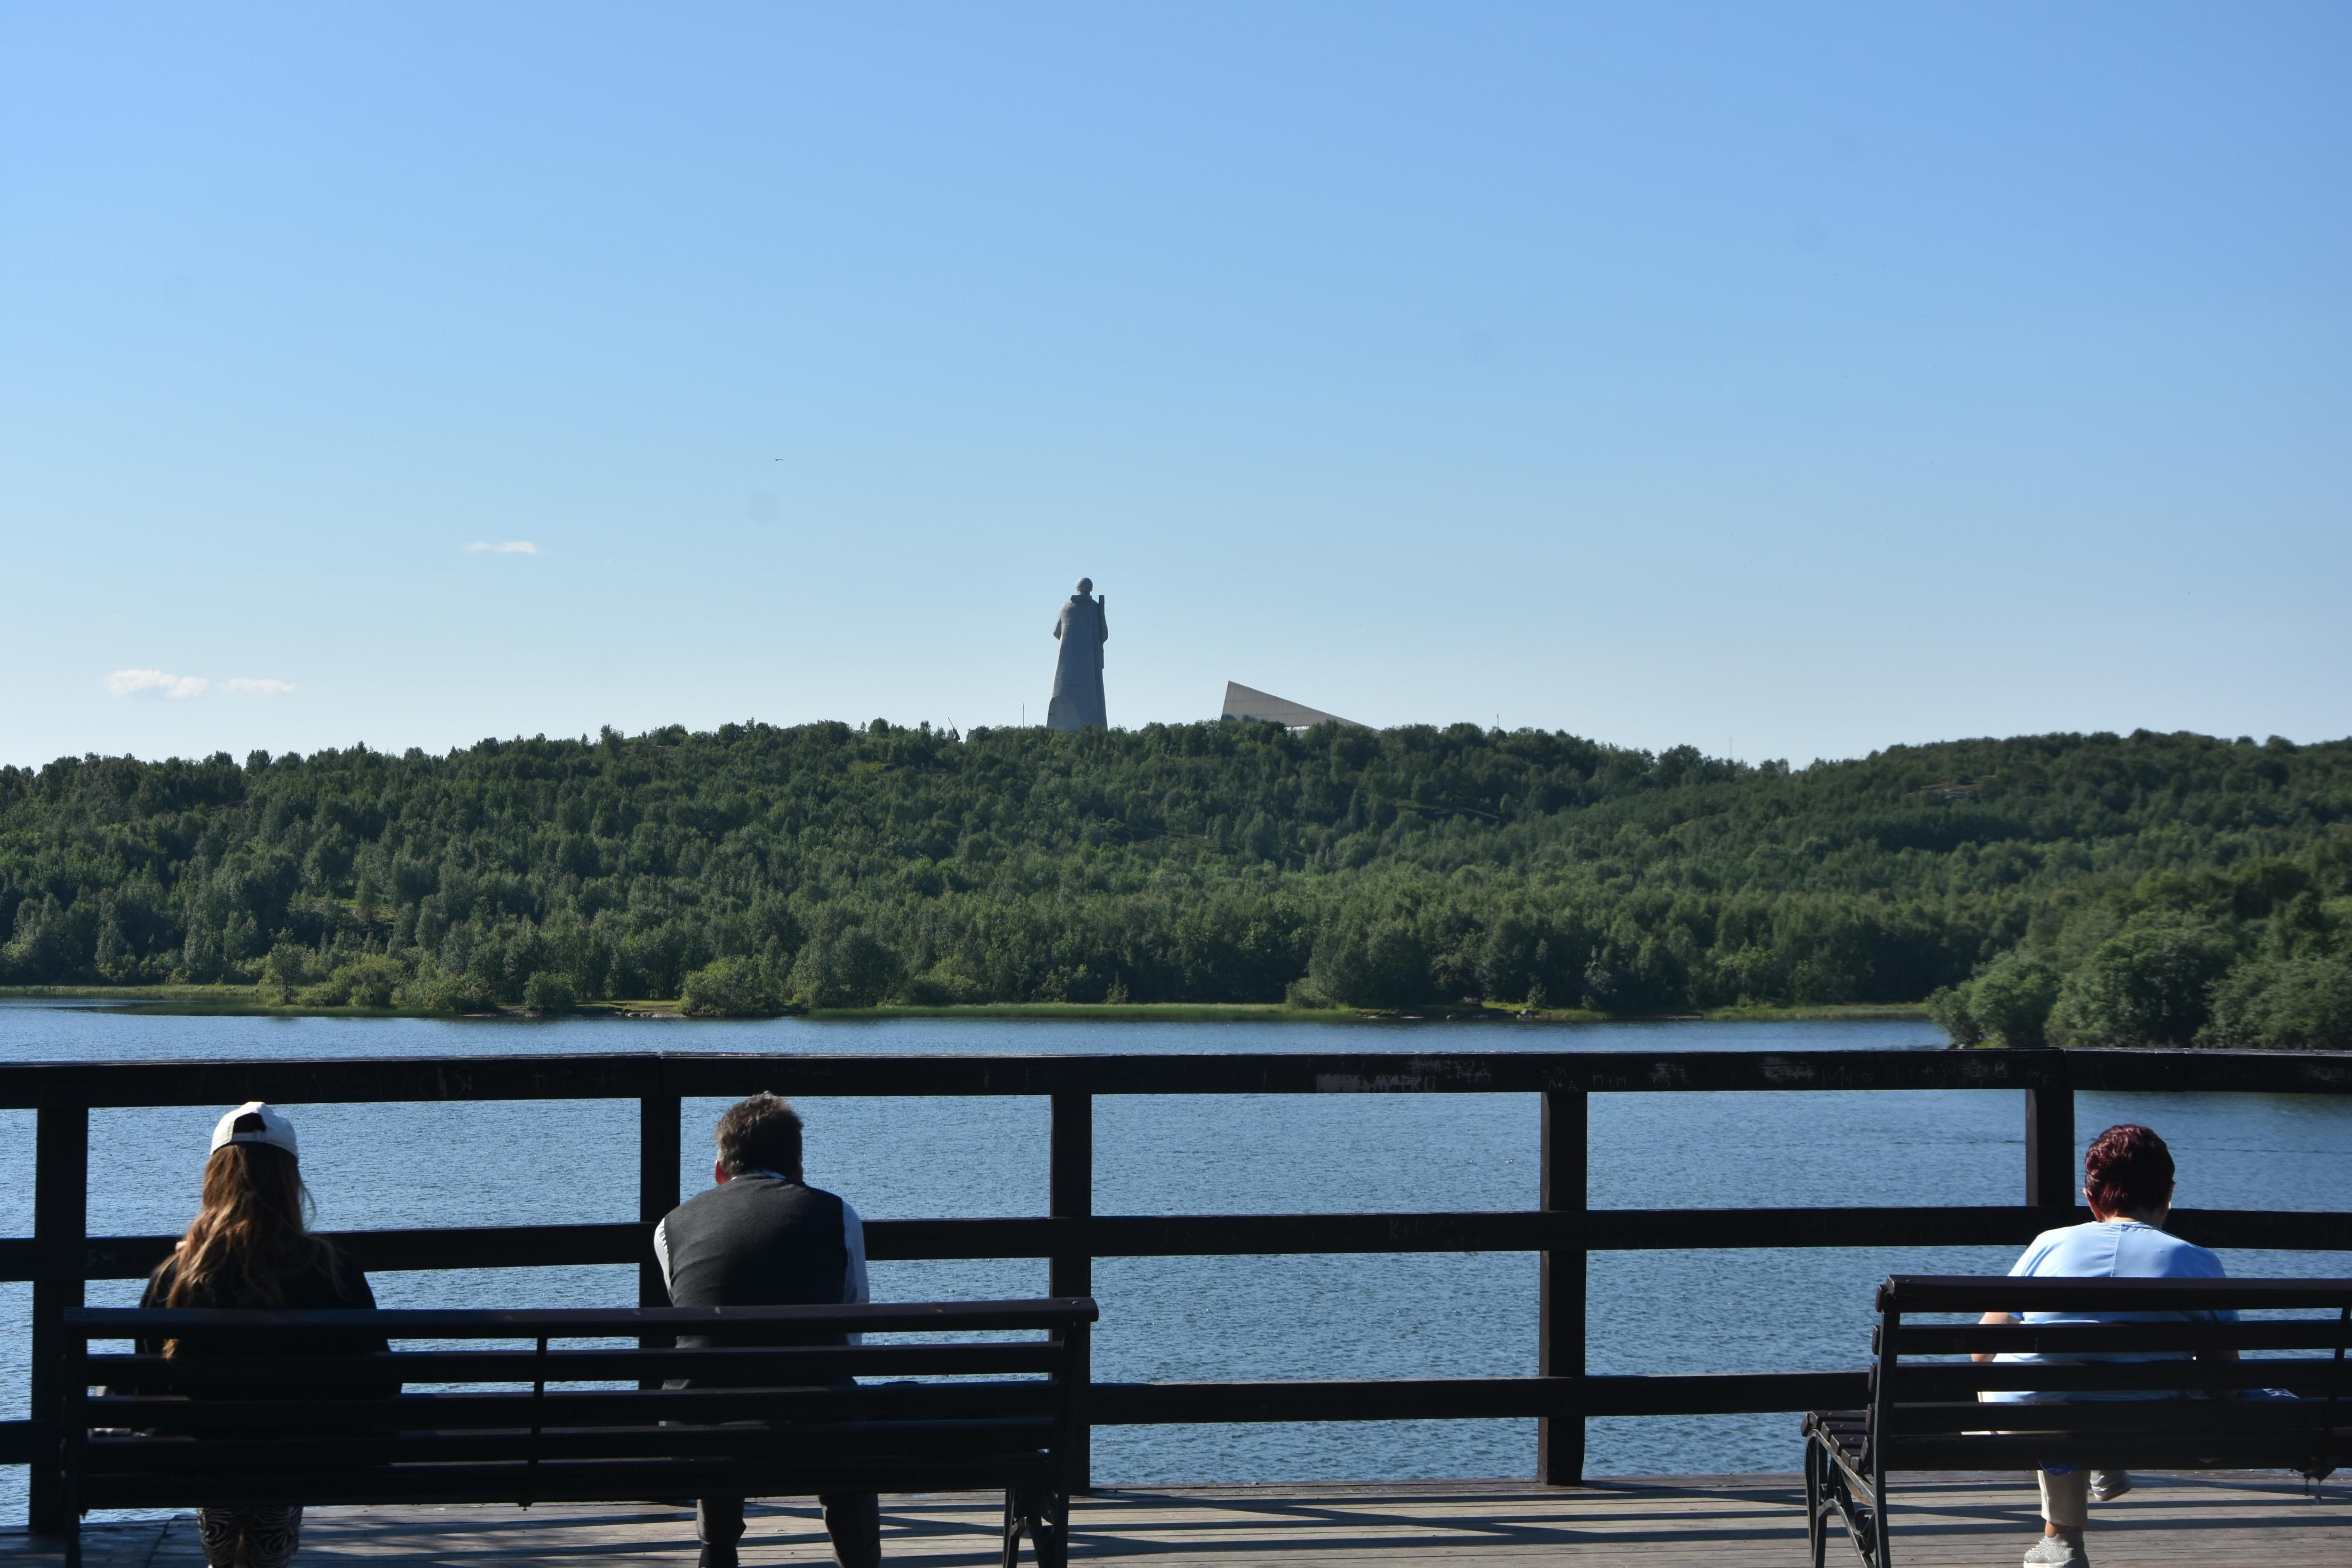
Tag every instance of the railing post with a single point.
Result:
(1070, 1181)
(61, 1253)
(1559, 1440)
(657, 1160)
(2051, 1181)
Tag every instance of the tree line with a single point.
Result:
(2147, 888)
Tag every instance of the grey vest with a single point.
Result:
(757, 1241)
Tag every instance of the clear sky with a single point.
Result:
(1789, 380)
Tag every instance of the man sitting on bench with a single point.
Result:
(2127, 1177)
(764, 1237)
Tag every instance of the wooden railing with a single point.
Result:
(60, 1256)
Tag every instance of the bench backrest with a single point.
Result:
(2122, 1393)
(301, 1406)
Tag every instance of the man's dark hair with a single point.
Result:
(2128, 1168)
(762, 1134)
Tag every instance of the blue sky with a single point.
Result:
(1791, 381)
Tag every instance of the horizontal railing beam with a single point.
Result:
(434, 1248)
(374, 1080)
(1473, 1398)
(16, 1445)
(1229, 1236)
(641, 1076)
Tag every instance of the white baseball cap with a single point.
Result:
(274, 1131)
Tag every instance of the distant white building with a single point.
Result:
(1246, 702)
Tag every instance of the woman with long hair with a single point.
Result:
(250, 1246)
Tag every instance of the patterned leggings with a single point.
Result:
(251, 1535)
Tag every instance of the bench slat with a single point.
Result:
(293, 1456)
(591, 1323)
(747, 1367)
(2148, 1417)
(2299, 1374)
(617, 1407)
(1846, 1432)
(1971, 1293)
(568, 1481)
(2114, 1451)
(2061, 1338)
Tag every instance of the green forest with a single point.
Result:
(2090, 890)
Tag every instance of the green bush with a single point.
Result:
(1948, 1007)
(2149, 986)
(370, 982)
(1303, 994)
(845, 967)
(436, 991)
(285, 971)
(2008, 1003)
(547, 992)
(2284, 1004)
(735, 987)
(1373, 964)
(944, 985)
(202, 961)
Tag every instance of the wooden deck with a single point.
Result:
(1729, 1521)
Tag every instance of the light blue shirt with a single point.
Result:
(2113, 1249)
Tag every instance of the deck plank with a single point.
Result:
(1726, 1521)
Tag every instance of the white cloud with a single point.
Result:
(511, 547)
(162, 683)
(131, 682)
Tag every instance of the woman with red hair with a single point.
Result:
(2127, 1178)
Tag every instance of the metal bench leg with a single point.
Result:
(1054, 1538)
(1046, 1516)
(1878, 1530)
(69, 1483)
(1817, 1504)
(1862, 1520)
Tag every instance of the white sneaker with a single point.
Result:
(2057, 1552)
(2109, 1485)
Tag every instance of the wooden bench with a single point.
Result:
(260, 1417)
(1924, 1414)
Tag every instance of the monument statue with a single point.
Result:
(1077, 668)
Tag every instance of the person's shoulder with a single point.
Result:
(331, 1280)
(708, 1198)
(833, 1201)
(2063, 1234)
(2185, 1259)
(2045, 1246)
(160, 1280)
(350, 1281)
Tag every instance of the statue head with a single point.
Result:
(1085, 584)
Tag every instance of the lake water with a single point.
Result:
(1343, 1316)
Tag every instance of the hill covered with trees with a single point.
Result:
(2114, 890)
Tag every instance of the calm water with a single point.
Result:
(1447, 1315)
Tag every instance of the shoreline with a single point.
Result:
(244, 1001)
